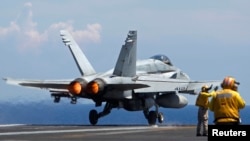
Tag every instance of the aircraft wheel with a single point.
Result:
(93, 117)
(160, 117)
(152, 117)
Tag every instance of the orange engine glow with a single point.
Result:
(93, 88)
(75, 88)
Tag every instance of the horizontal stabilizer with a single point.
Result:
(42, 84)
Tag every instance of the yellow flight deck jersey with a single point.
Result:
(202, 99)
(226, 104)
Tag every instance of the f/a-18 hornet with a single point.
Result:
(135, 85)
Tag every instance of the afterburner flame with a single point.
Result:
(75, 88)
(93, 88)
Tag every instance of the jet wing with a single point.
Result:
(165, 85)
(52, 85)
(196, 85)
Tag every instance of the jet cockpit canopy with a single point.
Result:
(162, 58)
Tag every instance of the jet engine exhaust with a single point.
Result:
(95, 87)
(75, 88)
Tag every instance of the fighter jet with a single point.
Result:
(135, 85)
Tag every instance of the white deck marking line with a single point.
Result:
(75, 130)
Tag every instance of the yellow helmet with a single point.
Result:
(204, 88)
(229, 83)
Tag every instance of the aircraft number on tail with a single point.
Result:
(183, 88)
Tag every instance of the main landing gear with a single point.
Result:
(152, 116)
(94, 115)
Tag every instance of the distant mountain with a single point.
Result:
(68, 114)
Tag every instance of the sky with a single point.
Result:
(208, 40)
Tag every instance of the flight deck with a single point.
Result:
(100, 132)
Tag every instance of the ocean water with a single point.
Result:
(78, 114)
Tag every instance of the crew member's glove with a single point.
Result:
(216, 88)
(210, 88)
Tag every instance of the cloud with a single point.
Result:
(24, 31)
(90, 34)
(13, 27)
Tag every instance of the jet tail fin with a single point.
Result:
(126, 63)
(82, 62)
